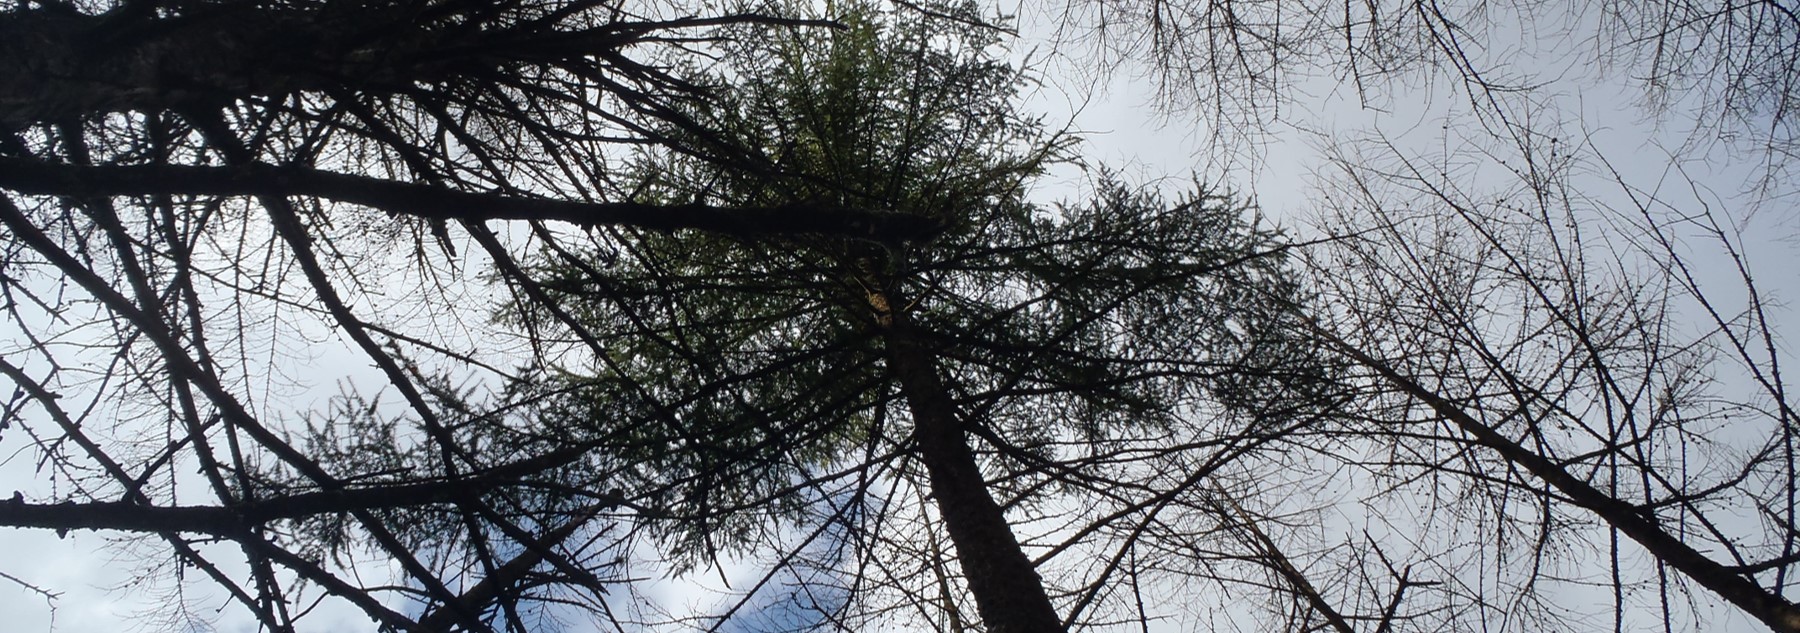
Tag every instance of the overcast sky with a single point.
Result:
(1123, 127)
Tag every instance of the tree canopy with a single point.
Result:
(616, 298)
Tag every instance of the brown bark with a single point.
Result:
(1008, 592)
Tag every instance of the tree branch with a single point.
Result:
(1770, 607)
(424, 201)
(56, 63)
(235, 521)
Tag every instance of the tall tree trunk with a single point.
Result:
(1636, 522)
(1008, 592)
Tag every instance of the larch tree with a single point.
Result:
(1575, 362)
(1566, 360)
(623, 292)
(831, 276)
(1029, 371)
(197, 193)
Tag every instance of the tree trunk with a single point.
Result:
(1764, 604)
(1008, 592)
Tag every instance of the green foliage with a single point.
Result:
(721, 376)
(893, 111)
(1125, 312)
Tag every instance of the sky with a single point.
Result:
(1624, 148)
(1126, 127)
